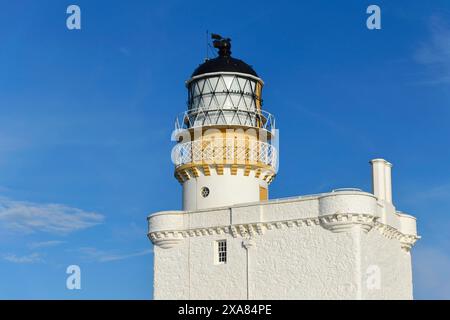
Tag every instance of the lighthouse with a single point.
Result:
(230, 241)
(224, 155)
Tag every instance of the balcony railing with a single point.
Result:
(225, 117)
(225, 151)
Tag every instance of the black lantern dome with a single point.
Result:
(224, 62)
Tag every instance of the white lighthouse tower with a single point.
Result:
(230, 242)
(224, 155)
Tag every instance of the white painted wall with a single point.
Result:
(225, 190)
(314, 247)
(393, 264)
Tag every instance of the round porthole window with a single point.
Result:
(204, 192)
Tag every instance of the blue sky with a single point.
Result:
(86, 117)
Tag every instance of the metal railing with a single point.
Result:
(225, 151)
(224, 116)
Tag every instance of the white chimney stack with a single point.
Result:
(388, 181)
(381, 179)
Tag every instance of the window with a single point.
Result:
(204, 192)
(221, 251)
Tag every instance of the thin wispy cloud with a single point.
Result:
(435, 52)
(25, 259)
(45, 244)
(93, 254)
(125, 51)
(439, 192)
(426, 194)
(30, 217)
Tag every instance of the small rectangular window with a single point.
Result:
(221, 251)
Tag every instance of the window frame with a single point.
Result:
(220, 251)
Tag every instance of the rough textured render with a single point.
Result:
(337, 245)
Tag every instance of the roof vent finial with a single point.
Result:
(223, 44)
